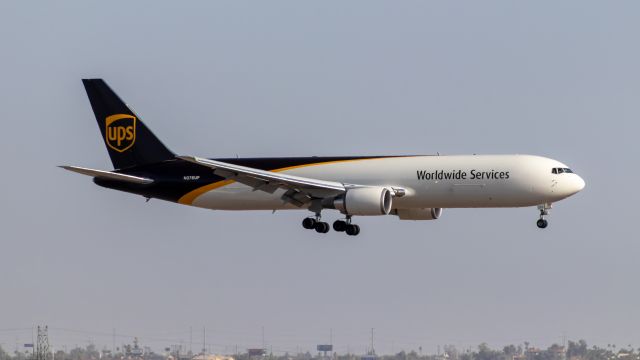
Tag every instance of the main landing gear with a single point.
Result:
(544, 211)
(315, 223)
(346, 226)
(339, 225)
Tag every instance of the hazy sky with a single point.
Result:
(286, 78)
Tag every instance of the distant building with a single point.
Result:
(557, 352)
(212, 357)
(519, 357)
(133, 352)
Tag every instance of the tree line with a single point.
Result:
(575, 350)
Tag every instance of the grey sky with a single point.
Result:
(559, 79)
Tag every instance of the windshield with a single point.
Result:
(561, 171)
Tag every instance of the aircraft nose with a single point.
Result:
(576, 185)
(579, 183)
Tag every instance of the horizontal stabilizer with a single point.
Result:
(101, 174)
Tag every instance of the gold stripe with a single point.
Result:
(190, 197)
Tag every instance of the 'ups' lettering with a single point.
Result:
(120, 133)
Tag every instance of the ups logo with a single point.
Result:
(120, 131)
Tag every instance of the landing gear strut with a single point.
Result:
(544, 211)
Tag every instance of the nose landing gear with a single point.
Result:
(544, 211)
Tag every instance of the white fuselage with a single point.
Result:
(460, 181)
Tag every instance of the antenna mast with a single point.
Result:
(42, 346)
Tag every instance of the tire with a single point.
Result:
(352, 230)
(339, 225)
(309, 223)
(542, 223)
(322, 227)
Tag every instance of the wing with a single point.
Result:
(299, 190)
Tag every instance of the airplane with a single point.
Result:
(413, 187)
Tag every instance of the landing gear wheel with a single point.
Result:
(352, 229)
(542, 223)
(340, 225)
(544, 211)
(309, 223)
(322, 227)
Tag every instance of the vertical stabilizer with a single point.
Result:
(129, 142)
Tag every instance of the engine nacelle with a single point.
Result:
(418, 214)
(365, 201)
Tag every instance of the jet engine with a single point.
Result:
(418, 214)
(365, 201)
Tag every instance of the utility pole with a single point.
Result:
(42, 346)
(372, 350)
(190, 340)
(175, 350)
(331, 342)
(33, 343)
(204, 342)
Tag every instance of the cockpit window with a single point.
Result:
(561, 171)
